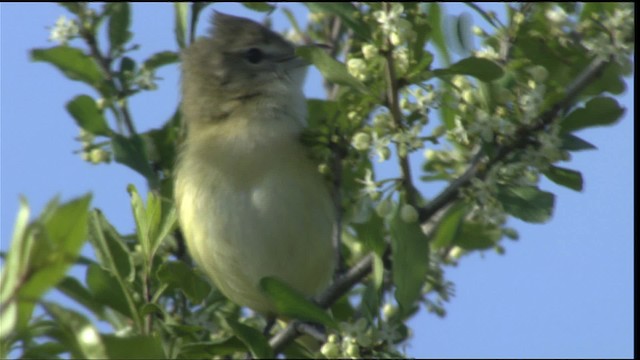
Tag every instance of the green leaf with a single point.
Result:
(110, 248)
(106, 289)
(597, 112)
(160, 59)
(252, 338)
(565, 177)
(119, 22)
(410, 251)
(571, 142)
(449, 227)
(371, 234)
(219, 347)
(290, 302)
(527, 203)
(161, 144)
(178, 275)
(423, 30)
(477, 236)
(346, 12)
(259, 6)
(133, 347)
(15, 268)
(75, 64)
(153, 222)
(434, 16)
(74, 289)
(482, 69)
(85, 112)
(52, 247)
(47, 350)
(87, 341)
(130, 151)
(181, 16)
(333, 70)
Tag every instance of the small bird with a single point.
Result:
(250, 202)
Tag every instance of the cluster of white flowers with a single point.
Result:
(482, 194)
(370, 186)
(547, 150)
(357, 68)
(146, 79)
(487, 52)
(357, 335)
(393, 26)
(64, 30)
(419, 99)
(90, 153)
(381, 146)
(408, 140)
(616, 41)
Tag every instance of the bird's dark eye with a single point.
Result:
(254, 55)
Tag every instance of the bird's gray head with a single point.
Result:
(240, 65)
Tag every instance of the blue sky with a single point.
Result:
(565, 289)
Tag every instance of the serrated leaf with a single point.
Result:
(252, 338)
(565, 177)
(74, 63)
(410, 251)
(85, 112)
(333, 70)
(527, 203)
(482, 69)
(596, 112)
(346, 12)
(177, 274)
(290, 302)
(119, 22)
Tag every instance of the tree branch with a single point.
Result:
(339, 287)
(450, 194)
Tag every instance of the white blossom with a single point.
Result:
(64, 30)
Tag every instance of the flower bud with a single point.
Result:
(408, 213)
(384, 208)
(361, 141)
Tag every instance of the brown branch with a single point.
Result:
(339, 287)
(393, 102)
(105, 64)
